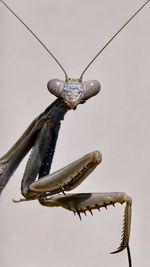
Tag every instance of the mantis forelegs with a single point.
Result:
(80, 203)
(70, 177)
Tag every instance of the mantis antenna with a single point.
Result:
(49, 52)
(113, 37)
(97, 55)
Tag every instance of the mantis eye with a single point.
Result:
(55, 87)
(90, 88)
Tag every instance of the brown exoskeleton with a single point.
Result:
(42, 135)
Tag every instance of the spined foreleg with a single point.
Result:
(80, 203)
(70, 177)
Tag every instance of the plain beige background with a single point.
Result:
(116, 122)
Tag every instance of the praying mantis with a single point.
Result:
(45, 189)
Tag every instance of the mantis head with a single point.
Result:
(73, 91)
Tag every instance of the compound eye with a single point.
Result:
(90, 89)
(55, 87)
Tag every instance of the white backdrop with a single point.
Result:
(116, 122)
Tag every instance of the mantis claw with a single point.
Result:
(126, 226)
(80, 203)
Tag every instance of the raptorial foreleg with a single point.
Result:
(80, 203)
(69, 177)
